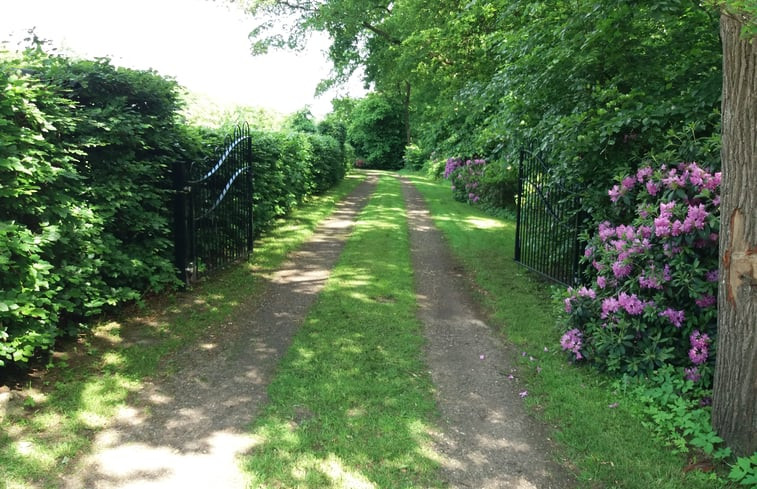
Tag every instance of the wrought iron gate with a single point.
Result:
(214, 223)
(546, 235)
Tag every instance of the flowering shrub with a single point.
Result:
(652, 298)
(466, 178)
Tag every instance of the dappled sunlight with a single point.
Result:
(341, 477)
(484, 223)
(485, 440)
(153, 466)
(113, 359)
(109, 331)
(182, 426)
(356, 396)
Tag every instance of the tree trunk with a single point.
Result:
(734, 413)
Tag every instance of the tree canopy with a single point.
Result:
(603, 84)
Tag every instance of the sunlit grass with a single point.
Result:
(352, 402)
(42, 435)
(606, 444)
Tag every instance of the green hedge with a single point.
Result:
(82, 207)
(289, 166)
(86, 190)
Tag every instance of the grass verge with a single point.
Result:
(53, 418)
(351, 401)
(598, 429)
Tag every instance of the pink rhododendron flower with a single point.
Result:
(698, 355)
(676, 318)
(609, 306)
(666, 276)
(572, 341)
(692, 374)
(643, 173)
(649, 283)
(706, 300)
(662, 226)
(584, 292)
(699, 340)
(628, 183)
(666, 209)
(614, 193)
(631, 303)
(696, 216)
(606, 231)
(620, 269)
(699, 347)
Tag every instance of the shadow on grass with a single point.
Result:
(152, 425)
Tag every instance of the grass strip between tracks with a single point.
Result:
(351, 404)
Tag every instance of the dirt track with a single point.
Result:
(188, 431)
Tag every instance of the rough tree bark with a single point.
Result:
(734, 413)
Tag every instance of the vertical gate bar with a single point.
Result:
(250, 175)
(529, 214)
(531, 208)
(250, 192)
(577, 249)
(540, 231)
(526, 216)
(234, 207)
(555, 262)
(518, 211)
(181, 240)
(546, 232)
(192, 228)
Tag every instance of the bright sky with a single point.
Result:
(201, 43)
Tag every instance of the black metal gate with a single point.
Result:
(546, 235)
(214, 223)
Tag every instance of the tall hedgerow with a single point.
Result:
(84, 193)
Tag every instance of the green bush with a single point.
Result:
(328, 161)
(498, 187)
(84, 199)
(377, 131)
(39, 219)
(414, 157)
(130, 135)
(289, 166)
(492, 185)
(434, 167)
(86, 189)
(652, 292)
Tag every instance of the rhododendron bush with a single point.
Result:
(465, 177)
(651, 290)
